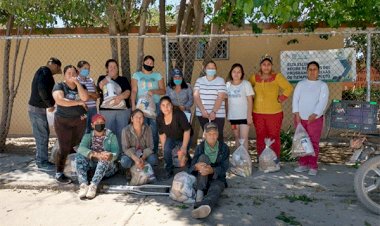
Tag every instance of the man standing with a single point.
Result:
(309, 104)
(41, 99)
(209, 165)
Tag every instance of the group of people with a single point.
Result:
(120, 133)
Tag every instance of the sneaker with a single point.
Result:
(301, 169)
(46, 167)
(61, 178)
(83, 188)
(91, 193)
(313, 172)
(199, 196)
(201, 212)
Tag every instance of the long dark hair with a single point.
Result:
(183, 84)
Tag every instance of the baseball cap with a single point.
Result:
(54, 60)
(176, 72)
(266, 57)
(210, 126)
(96, 117)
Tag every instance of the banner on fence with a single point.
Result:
(336, 65)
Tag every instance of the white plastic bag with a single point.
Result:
(146, 104)
(110, 91)
(182, 189)
(302, 145)
(70, 169)
(241, 163)
(268, 161)
(142, 176)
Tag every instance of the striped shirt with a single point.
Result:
(208, 92)
(89, 83)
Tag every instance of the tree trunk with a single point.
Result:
(4, 123)
(163, 32)
(111, 12)
(215, 29)
(142, 31)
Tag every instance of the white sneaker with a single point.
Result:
(301, 169)
(83, 188)
(201, 212)
(91, 193)
(199, 196)
(313, 172)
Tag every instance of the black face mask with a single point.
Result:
(100, 127)
(147, 67)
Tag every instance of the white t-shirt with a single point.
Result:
(237, 99)
(208, 92)
(310, 97)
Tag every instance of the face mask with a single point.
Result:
(147, 67)
(177, 82)
(100, 127)
(210, 72)
(84, 72)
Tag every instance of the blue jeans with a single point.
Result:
(169, 145)
(41, 134)
(153, 125)
(126, 162)
(102, 169)
(116, 120)
(90, 112)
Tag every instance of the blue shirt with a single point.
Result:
(146, 82)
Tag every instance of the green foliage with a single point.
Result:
(361, 94)
(302, 198)
(286, 145)
(288, 219)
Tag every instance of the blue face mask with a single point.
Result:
(84, 72)
(210, 73)
(177, 82)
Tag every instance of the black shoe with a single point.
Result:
(63, 179)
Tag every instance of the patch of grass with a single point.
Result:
(367, 224)
(257, 201)
(303, 198)
(288, 219)
(286, 138)
(183, 206)
(239, 204)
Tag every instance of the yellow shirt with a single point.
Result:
(268, 92)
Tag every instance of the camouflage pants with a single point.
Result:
(102, 169)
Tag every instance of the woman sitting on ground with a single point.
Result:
(137, 143)
(97, 151)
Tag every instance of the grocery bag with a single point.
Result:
(302, 145)
(268, 161)
(142, 176)
(182, 189)
(241, 163)
(146, 104)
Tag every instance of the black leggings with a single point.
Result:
(69, 133)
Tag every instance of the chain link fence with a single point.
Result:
(345, 59)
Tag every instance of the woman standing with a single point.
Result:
(240, 95)
(209, 95)
(309, 103)
(137, 143)
(180, 92)
(70, 117)
(118, 110)
(85, 79)
(174, 130)
(271, 89)
(148, 82)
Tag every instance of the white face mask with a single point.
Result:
(210, 73)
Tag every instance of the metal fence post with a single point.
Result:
(167, 58)
(368, 66)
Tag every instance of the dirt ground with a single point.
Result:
(330, 152)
